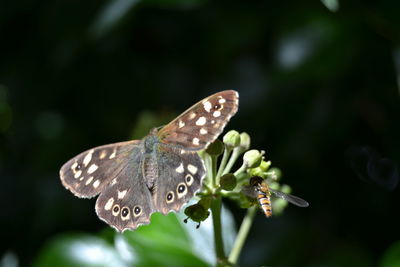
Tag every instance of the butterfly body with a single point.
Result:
(160, 172)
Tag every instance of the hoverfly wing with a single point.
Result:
(290, 198)
(249, 191)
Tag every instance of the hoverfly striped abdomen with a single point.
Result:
(263, 194)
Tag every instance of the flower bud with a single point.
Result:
(197, 212)
(216, 148)
(286, 189)
(265, 165)
(256, 172)
(228, 182)
(252, 158)
(275, 174)
(232, 139)
(244, 141)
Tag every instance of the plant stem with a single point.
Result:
(242, 235)
(216, 216)
(209, 180)
(225, 157)
(235, 154)
(214, 171)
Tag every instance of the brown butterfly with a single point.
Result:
(160, 172)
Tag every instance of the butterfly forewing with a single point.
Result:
(87, 174)
(202, 123)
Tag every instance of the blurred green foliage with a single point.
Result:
(391, 257)
(167, 241)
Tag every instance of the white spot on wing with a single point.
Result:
(192, 169)
(196, 141)
(114, 181)
(73, 166)
(122, 194)
(181, 124)
(217, 113)
(113, 154)
(203, 131)
(88, 158)
(103, 154)
(180, 168)
(222, 100)
(109, 204)
(192, 116)
(92, 168)
(207, 106)
(96, 183)
(201, 121)
(89, 180)
(77, 174)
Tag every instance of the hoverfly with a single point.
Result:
(259, 189)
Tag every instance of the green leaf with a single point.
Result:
(332, 5)
(110, 15)
(391, 257)
(202, 239)
(164, 242)
(167, 241)
(78, 250)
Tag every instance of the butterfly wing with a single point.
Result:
(87, 174)
(201, 124)
(126, 203)
(180, 175)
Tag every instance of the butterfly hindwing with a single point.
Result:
(201, 124)
(126, 203)
(182, 171)
(88, 173)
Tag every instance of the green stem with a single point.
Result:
(235, 154)
(216, 216)
(240, 170)
(225, 157)
(214, 171)
(242, 235)
(209, 181)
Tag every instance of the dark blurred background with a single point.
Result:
(319, 92)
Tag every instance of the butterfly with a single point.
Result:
(259, 189)
(159, 173)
